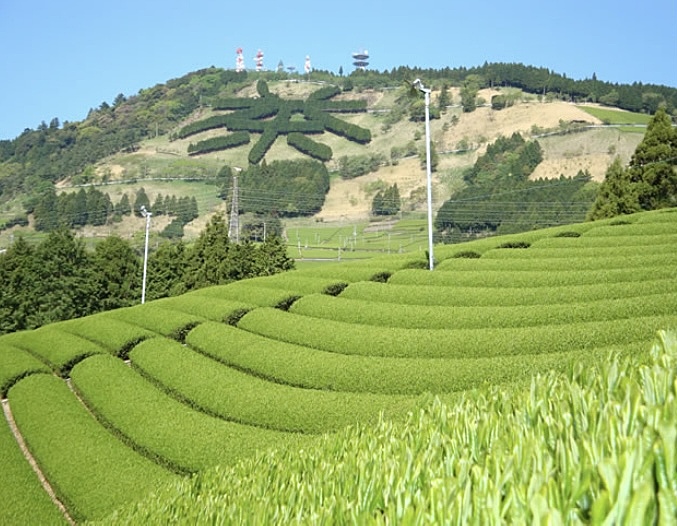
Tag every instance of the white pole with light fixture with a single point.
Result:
(426, 91)
(145, 213)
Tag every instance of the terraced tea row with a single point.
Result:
(22, 498)
(91, 471)
(231, 394)
(533, 278)
(302, 366)
(397, 342)
(464, 296)
(160, 427)
(365, 312)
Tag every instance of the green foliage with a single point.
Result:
(46, 411)
(284, 188)
(223, 142)
(117, 337)
(305, 145)
(271, 116)
(469, 92)
(613, 464)
(22, 498)
(364, 312)
(138, 412)
(500, 196)
(15, 364)
(650, 182)
(236, 396)
(399, 342)
(387, 202)
(353, 166)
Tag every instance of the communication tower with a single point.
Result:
(259, 60)
(361, 59)
(239, 60)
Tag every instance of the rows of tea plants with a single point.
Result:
(56, 348)
(117, 337)
(219, 374)
(476, 317)
(159, 426)
(302, 366)
(16, 363)
(597, 446)
(568, 261)
(170, 323)
(602, 243)
(22, 498)
(486, 342)
(209, 385)
(462, 296)
(90, 470)
(532, 278)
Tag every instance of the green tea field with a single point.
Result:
(512, 384)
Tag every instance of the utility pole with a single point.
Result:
(145, 213)
(234, 224)
(426, 91)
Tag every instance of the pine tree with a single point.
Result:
(653, 167)
(124, 207)
(116, 273)
(141, 200)
(616, 195)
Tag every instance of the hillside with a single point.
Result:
(458, 138)
(114, 406)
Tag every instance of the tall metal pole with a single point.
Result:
(428, 166)
(234, 224)
(419, 85)
(147, 215)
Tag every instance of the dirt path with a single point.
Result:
(31, 460)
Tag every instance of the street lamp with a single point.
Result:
(417, 84)
(145, 213)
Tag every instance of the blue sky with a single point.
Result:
(61, 58)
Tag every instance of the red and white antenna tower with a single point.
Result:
(239, 60)
(307, 66)
(259, 60)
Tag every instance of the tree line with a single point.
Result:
(649, 181)
(59, 279)
(94, 207)
(279, 189)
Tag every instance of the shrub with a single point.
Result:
(515, 244)
(398, 342)
(318, 151)
(467, 254)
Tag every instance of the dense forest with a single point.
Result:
(58, 279)
(39, 157)
(500, 198)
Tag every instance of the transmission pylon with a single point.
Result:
(234, 224)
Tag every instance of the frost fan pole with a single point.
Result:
(145, 213)
(426, 91)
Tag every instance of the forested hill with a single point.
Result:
(38, 158)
